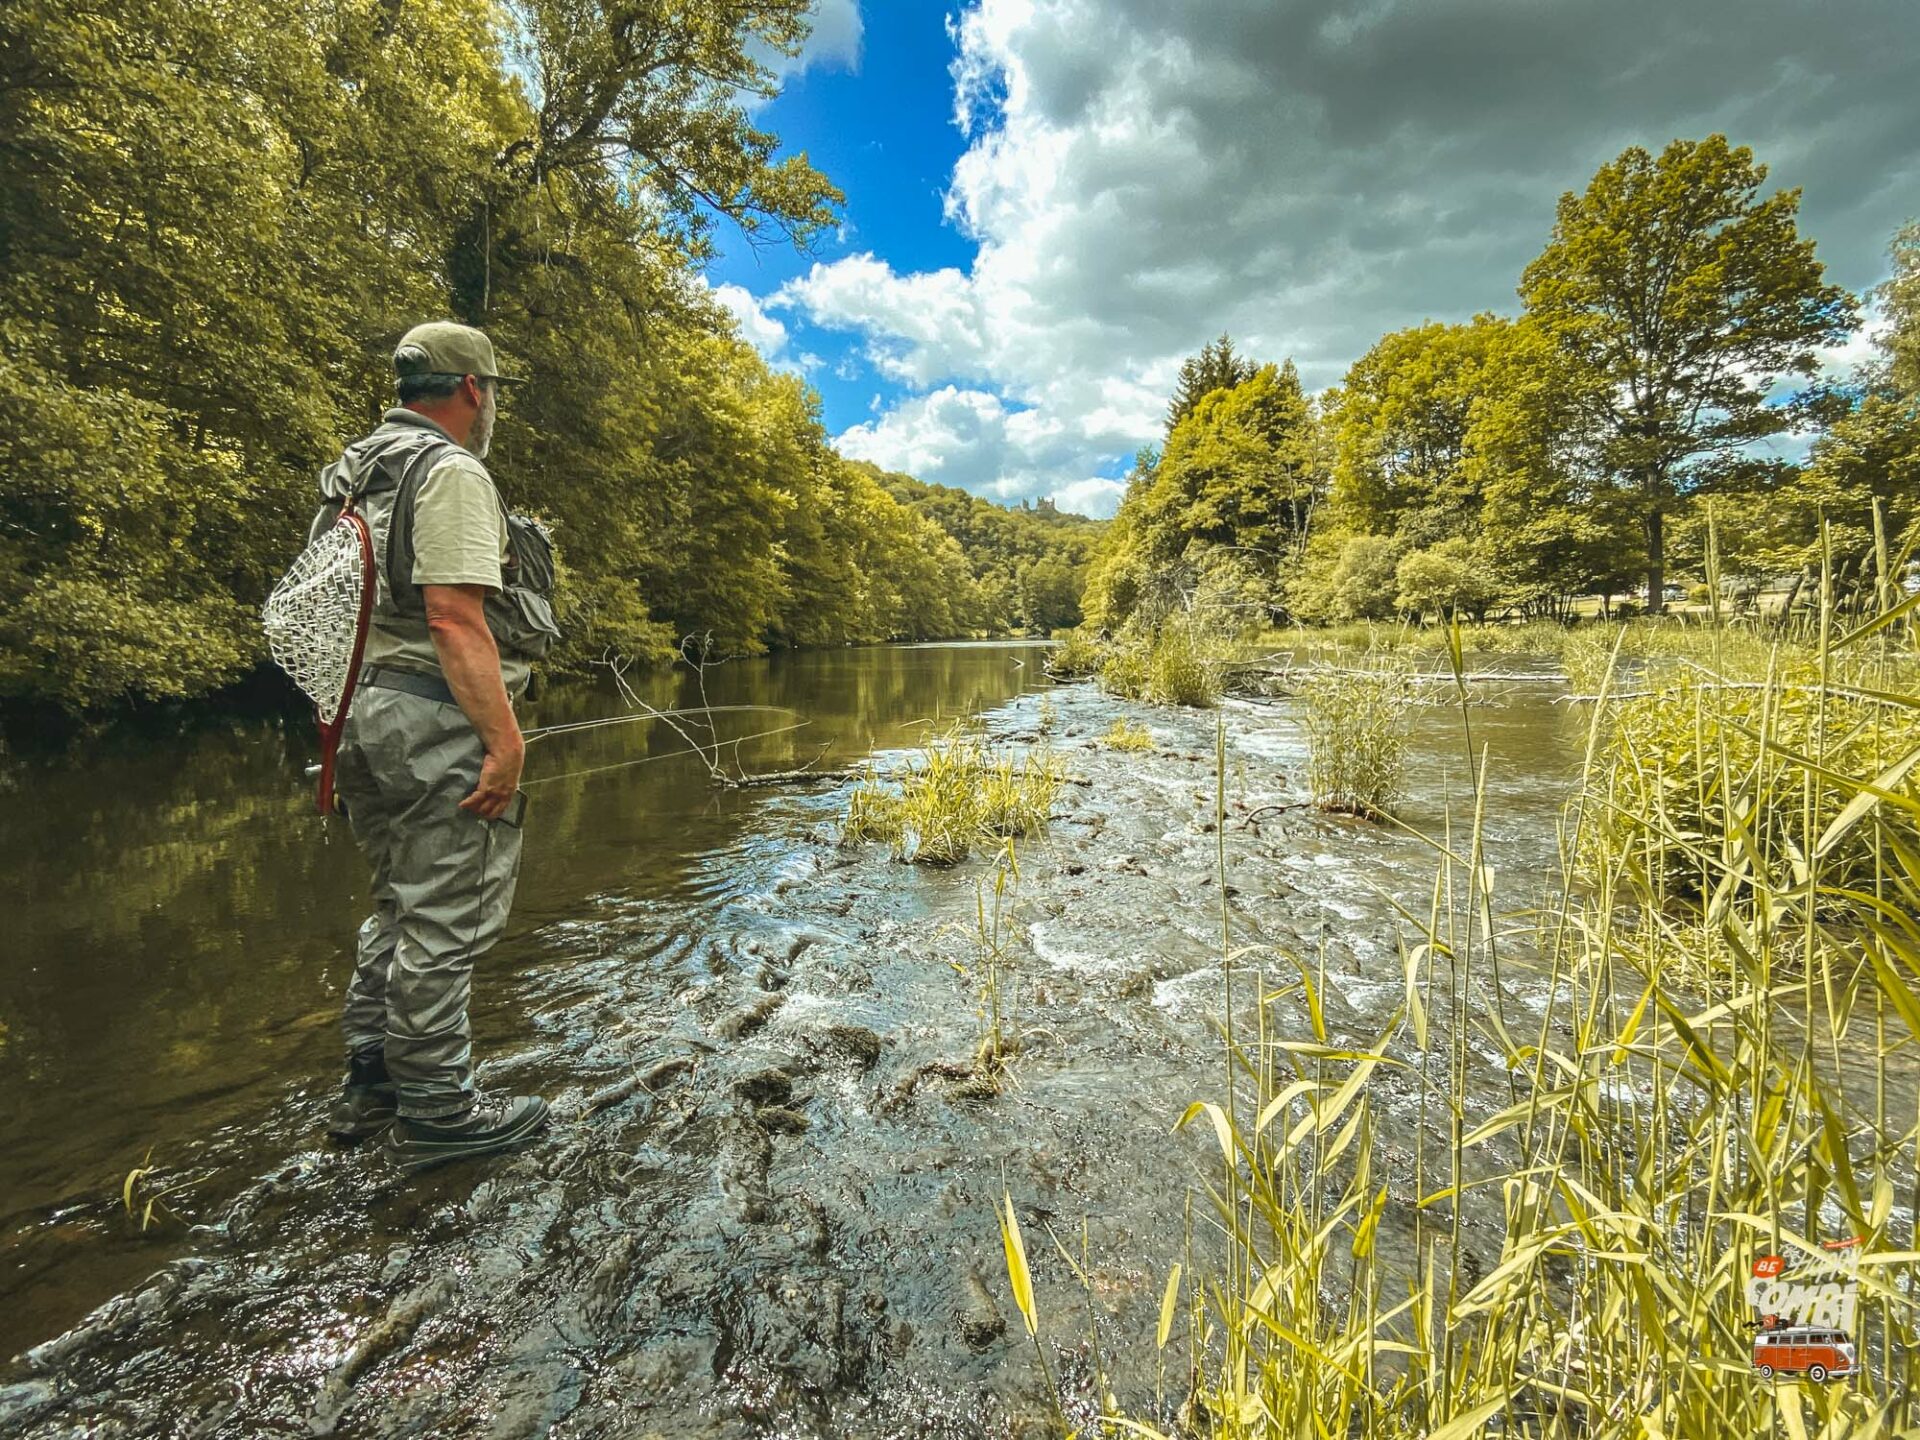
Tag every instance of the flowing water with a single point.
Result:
(767, 1203)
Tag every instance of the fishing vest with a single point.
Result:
(383, 474)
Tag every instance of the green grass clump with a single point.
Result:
(1075, 653)
(1356, 736)
(1703, 771)
(1125, 670)
(1123, 734)
(1587, 654)
(955, 793)
(1178, 664)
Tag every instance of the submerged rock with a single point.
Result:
(981, 1322)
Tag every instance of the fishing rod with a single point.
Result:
(669, 755)
(567, 727)
(572, 726)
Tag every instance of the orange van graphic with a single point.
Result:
(1795, 1350)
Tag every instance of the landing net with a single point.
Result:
(313, 617)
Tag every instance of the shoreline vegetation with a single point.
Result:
(1732, 946)
(218, 225)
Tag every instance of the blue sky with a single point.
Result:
(879, 122)
(1051, 202)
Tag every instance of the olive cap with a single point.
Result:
(444, 348)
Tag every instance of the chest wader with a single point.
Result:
(443, 879)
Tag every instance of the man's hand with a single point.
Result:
(457, 620)
(499, 781)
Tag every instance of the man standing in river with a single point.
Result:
(429, 764)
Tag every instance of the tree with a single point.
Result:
(1346, 577)
(1236, 470)
(1688, 296)
(1899, 298)
(641, 107)
(1401, 426)
(1216, 367)
(1550, 525)
(1446, 578)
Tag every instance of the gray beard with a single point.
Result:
(481, 438)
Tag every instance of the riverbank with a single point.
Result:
(767, 1197)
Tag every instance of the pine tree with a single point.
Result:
(1216, 367)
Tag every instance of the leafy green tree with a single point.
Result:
(1221, 512)
(1899, 298)
(1237, 471)
(1119, 569)
(642, 107)
(1216, 367)
(1550, 524)
(1400, 431)
(1688, 295)
(1448, 578)
(1050, 594)
(1779, 518)
(1346, 577)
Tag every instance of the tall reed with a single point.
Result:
(1609, 1122)
(1355, 721)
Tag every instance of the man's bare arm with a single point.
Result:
(457, 621)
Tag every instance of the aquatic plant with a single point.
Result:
(141, 1195)
(1076, 653)
(1181, 662)
(1126, 670)
(954, 793)
(994, 930)
(1183, 667)
(1123, 734)
(1356, 735)
(1587, 654)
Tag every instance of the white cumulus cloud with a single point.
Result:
(973, 439)
(766, 333)
(1141, 175)
(834, 43)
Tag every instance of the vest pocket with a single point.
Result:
(522, 621)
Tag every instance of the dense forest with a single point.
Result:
(1029, 564)
(215, 222)
(1673, 323)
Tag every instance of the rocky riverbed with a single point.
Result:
(767, 1204)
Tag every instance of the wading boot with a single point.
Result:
(490, 1126)
(367, 1100)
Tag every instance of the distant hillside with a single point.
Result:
(1031, 564)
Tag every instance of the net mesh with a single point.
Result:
(313, 616)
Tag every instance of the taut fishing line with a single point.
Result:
(570, 727)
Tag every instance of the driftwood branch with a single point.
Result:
(801, 776)
(1247, 820)
(1437, 677)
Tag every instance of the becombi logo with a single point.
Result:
(1806, 1310)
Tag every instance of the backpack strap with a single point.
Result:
(397, 563)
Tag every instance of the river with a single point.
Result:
(790, 1227)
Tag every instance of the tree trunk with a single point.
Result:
(1656, 562)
